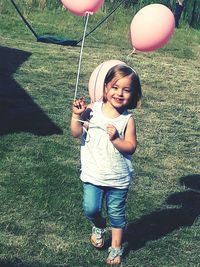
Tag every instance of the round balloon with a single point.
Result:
(151, 27)
(96, 81)
(81, 7)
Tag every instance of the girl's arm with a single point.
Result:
(128, 144)
(76, 126)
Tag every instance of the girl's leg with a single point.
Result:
(115, 251)
(117, 236)
(115, 201)
(92, 204)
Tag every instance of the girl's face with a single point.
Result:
(119, 94)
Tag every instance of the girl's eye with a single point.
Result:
(127, 90)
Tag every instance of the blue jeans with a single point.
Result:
(93, 197)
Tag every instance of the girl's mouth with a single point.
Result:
(118, 100)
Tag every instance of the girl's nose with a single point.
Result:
(120, 91)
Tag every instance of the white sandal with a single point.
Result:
(113, 253)
(99, 237)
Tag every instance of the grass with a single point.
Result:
(41, 222)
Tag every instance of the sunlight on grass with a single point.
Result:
(42, 222)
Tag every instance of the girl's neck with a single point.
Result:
(110, 111)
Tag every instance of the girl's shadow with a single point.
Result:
(161, 222)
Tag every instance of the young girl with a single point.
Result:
(107, 143)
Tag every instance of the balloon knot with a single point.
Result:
(134, 50)
(89, 13)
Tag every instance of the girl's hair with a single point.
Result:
(120, 71)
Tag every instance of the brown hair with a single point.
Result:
(119, 71)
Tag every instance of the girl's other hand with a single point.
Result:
(112, 132)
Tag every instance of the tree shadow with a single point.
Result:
(159, 223)
(18, 111)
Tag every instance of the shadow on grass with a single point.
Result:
(162, 222)
(18, 111)
(18, 263)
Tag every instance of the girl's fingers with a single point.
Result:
(79, 103)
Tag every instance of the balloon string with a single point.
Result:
(89, 122)
(81, 53)
(132, 52)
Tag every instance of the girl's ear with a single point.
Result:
(105, 90)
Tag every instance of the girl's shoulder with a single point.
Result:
(96, 106)
(128, 114)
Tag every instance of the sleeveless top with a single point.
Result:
(101, 163)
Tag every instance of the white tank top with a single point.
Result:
(101, 163)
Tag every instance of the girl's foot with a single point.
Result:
(114, 256)
(97, 237)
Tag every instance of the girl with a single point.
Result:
(107, 143)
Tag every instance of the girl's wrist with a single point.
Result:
(75, 116)
(115, 139)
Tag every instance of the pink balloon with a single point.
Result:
(152, 27)
(81, 7)
(96, 81)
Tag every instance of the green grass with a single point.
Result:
(41, 219)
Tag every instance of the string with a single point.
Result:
(81, 53)
(86, 128)
(132, 52)
(89, 122)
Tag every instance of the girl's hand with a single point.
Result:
(79, 106)
(112, 132)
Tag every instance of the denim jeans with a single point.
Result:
(93, 197)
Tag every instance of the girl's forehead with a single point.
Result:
(123, 81)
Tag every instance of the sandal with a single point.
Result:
(98, 233)
(113, 254)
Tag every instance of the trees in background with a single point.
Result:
(191, 11)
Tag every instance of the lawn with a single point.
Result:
(41, 218)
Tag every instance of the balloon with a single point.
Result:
(81, 7)
(151, 27)
(96, 81)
